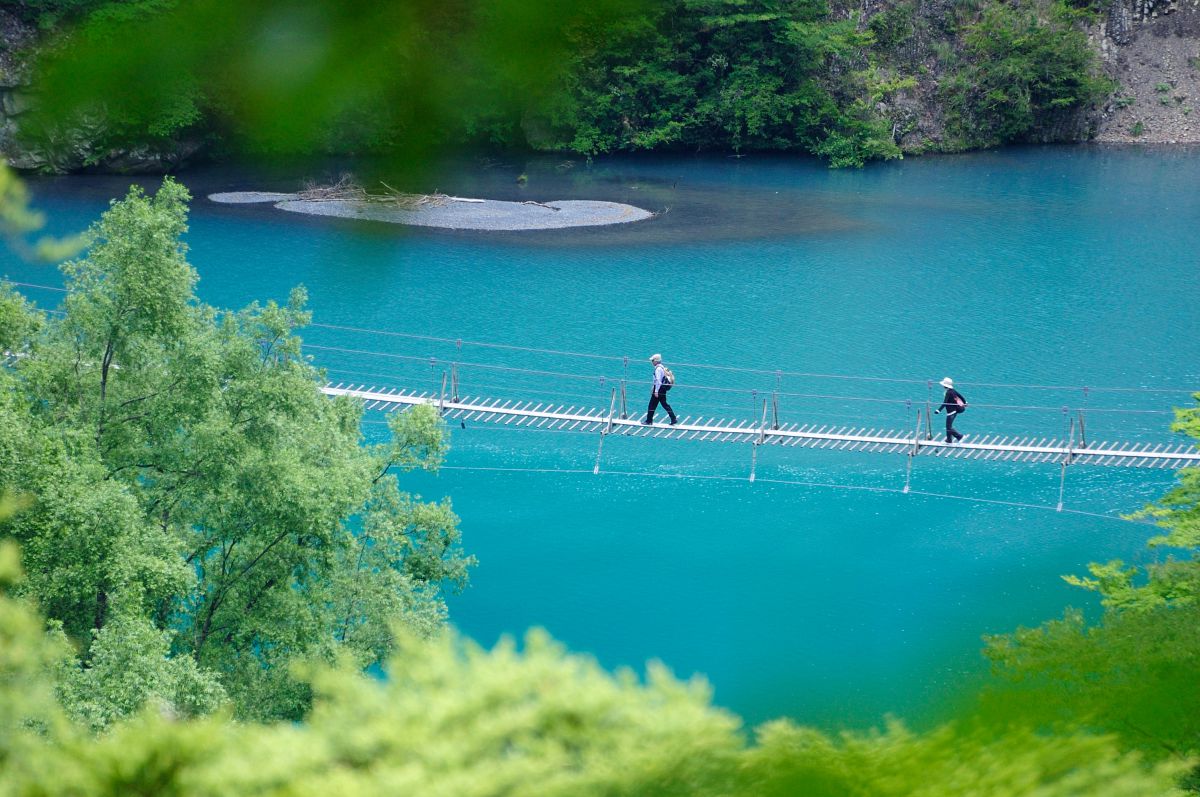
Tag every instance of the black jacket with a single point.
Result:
(950, 402)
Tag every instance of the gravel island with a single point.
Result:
(454, 213)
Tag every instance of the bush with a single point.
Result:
(1026, 68)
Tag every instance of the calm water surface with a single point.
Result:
(1041, 267)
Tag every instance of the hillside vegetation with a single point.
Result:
(847, 83)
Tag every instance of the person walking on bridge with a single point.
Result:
(664, 380)
(954, 404)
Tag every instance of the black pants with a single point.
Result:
(659, 398)
(951, 433)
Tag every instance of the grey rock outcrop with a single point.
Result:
(1120, 21)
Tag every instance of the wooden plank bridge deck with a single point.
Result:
(1007, 448)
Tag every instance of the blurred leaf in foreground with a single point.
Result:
(278, 77)
(18, 220)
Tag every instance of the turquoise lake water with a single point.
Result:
(836, 606)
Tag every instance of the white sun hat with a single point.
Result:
(655, 358)
(947, 382)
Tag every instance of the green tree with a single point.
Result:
(196, 495)
(17, 320)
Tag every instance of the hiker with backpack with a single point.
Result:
(954, 404)
(664, 380)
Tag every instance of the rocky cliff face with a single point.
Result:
(15, 37)
(1152, 50)
(1149, 48)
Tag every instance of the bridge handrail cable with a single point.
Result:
(459, 342)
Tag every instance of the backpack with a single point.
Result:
(668, 378)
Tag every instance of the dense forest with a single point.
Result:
(832, 79)
(204, 573)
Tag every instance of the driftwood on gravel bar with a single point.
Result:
(347, 190)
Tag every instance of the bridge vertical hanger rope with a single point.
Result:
(928, 402)
(1082, 431)
(1067, 457)
(442, 397)
(912, 452)
(624, 379)
(758, 441)
(605, 430)
(454, 369)
(775, 397)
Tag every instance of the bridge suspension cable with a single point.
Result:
(774, 373)
(605, 379)
(459, 342)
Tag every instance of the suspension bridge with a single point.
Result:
(918, 440)
(1075, 449)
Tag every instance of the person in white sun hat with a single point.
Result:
(954, 404)
(664, 380)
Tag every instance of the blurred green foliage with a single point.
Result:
(275, 77)
(454, 719)
(1135, 673)
(18, 220)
